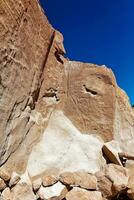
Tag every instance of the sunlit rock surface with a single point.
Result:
(55, 114)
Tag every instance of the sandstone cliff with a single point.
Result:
(66, 128)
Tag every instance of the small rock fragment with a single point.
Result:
(67, 178)
(130, 194)
(104, 185)
(111, 150)
(49, 179)
(6, 194)
(2, 184)
(37, 184)
(82, 194)
(85, 180)
(15, 178)
(4, 175)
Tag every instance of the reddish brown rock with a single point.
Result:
(22, 191)
(67, 178)
(81, 179)
(118, 175)
(112, 180)
(104, 185)
(49, 179)
(111, 150)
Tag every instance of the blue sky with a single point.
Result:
(98, 31)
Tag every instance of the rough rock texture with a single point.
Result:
(81, 194)
(81, 179)
(57, 116)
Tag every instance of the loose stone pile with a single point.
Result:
(111, 182)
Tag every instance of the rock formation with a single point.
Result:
(66, 128)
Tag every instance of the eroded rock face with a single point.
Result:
(56, 115)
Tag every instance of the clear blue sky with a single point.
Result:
(98, 31)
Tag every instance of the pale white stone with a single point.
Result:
(25, 179)
(52, 191)
(64, 147)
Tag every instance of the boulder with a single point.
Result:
(112, 180)
(49, 179)
(104, 185)
(4, 174)
(130, 193)
(118, 175)
(82, 194)
(81, 179)
(55, 190)
(22, 191)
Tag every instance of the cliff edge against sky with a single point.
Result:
(66, 128)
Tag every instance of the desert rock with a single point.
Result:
(6, 194)
(36, 184)
(2, 184)
(81, 179)
(58, 114)
(118, 176)
(51, 191)
(81, 194)
(15, 178)
(22, 191)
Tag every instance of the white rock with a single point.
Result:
(66, 148)
(52, 191)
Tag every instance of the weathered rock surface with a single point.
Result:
(81, 179)
(51, 192)
(36, 184)
(111, 150)
(22, 191)
(112, 180)
(56, 115)
(2, 184)
(6, 194)
(15, 178)
(81, 194)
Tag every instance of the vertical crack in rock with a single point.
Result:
(35, 94)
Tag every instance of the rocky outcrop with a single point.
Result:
(61, 122)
